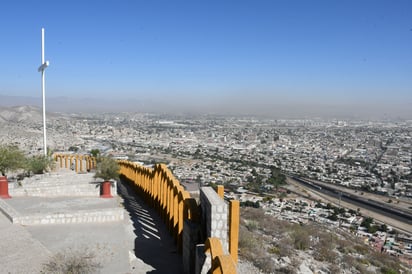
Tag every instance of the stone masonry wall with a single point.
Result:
(215, 215)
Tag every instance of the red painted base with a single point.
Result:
(105, 190)
(4, 188)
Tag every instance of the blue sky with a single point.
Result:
(204, 52)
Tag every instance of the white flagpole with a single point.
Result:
(43, 66)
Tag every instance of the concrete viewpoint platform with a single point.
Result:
(136, 243)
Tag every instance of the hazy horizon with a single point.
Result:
(265, 109)
(295, 58)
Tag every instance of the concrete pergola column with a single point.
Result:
(81, 163)
(77, 163)
(87, 159)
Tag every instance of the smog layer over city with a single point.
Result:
(301, 110)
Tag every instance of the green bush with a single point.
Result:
(11, 158)
(38, 164)
(386, 270)
(107, 169)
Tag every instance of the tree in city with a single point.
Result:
(95, 152)
(367, 222)
(11, 159)
(73, 148)
(277, 178)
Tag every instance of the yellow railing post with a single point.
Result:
(182, 196)
(175, 211)
(191, 211)
(221, 191)
(234, 210)
(221, 263)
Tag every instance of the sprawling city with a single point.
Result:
(280, 167)
(221, 137)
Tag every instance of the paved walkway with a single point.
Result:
(19, 251)
(138, 244)
(153, 243)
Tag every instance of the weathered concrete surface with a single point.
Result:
(139, 243)
(19, 251)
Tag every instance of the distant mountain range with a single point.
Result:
(28, 114)
(20, 114)
(54, 104)
(268, 108)
(74, 105)
(10, 101)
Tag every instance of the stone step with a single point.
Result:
(76, 217)
(56, 190)
(53, 179)
(53, 184)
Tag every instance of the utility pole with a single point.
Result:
(43, 66)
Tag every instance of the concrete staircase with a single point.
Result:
(57, 185)
(60, 198)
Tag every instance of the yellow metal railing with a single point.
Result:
(161, 190)
(221, 263)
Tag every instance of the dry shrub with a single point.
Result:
(300, 236)
(247, 240)
(363, 268)
(263, 236)
(286, 270)
(344, 246)
(361, 249)
(335, 269)
(265, 264)
(384, 261)
(251, 213)
(324, 248)
(73, 262)
(324, 253)
(348, 261)
(252, 248)
(251, 225)
(285, 246)
(267, 223)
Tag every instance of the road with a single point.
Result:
(380, 212)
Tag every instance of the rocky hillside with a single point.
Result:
(269, 245)
(23, 114)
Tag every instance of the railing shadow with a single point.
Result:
(153, 244)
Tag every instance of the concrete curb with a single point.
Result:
(77, 217)
(8, 211)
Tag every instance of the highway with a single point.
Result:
(382, 208)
